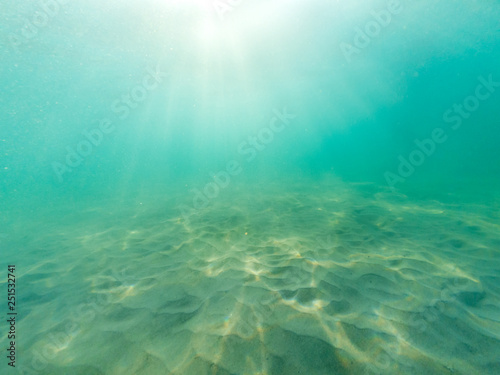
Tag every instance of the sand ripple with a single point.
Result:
(331, 281)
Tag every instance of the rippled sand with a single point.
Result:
(328, 279)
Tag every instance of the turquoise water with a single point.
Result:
(250, 187)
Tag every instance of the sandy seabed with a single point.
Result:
(315, 279)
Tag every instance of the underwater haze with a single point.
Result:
(249, 187)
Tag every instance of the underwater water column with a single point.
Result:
(250, 187)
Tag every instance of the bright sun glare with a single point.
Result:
(207, 30)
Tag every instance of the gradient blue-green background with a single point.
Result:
(365, 259)
(226, 76)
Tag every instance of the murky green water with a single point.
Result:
(250, 187)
